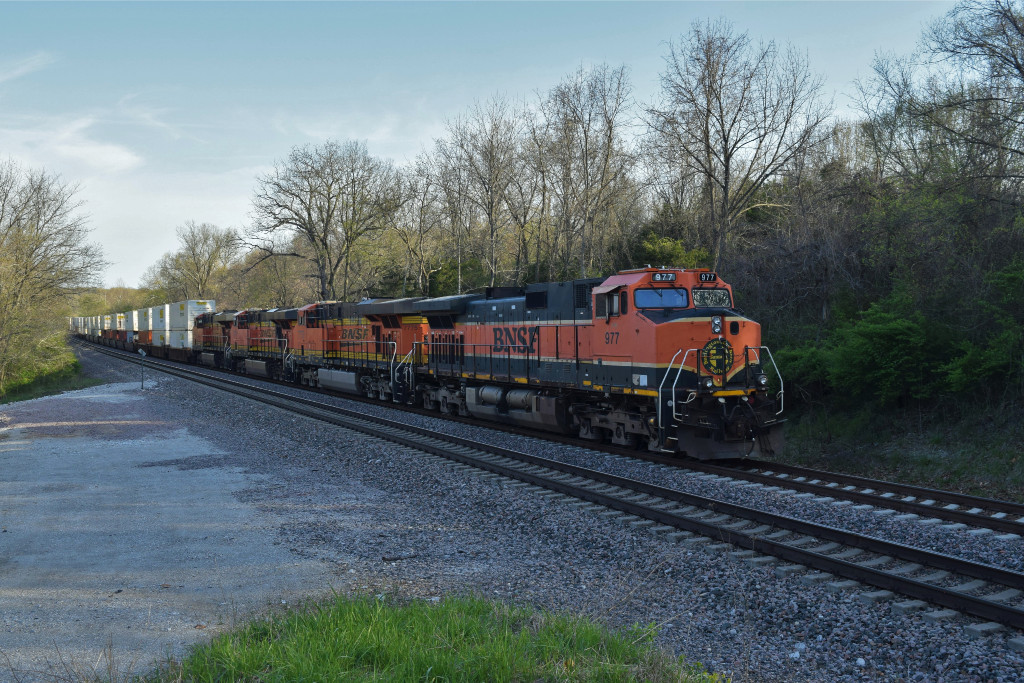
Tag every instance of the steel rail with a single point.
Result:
(980, 515)
(465, 451)
(877, 499)
(951, 497)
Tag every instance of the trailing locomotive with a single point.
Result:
(653, 357)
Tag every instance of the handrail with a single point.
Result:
(781, 394)
(406, 361)
(661, 387)
(679, 370)
(679, 373)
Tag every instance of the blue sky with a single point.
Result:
(167, 112)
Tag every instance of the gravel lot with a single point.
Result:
(304, 507)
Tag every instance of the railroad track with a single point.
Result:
(991, 593)
(931, 506)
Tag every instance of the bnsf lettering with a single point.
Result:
(354, 334)
(516, 339)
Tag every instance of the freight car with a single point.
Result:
(653, 357)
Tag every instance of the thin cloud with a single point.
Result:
(68, 146)
(134, 110)
(73, 142)
(16, 69)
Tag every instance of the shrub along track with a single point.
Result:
(982, 590)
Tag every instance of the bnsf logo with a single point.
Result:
(516, 339)
(355, 334)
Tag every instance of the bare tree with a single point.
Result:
(525, 198)
(44, 260)
(584, 154)
(452, 182)
(193, 271)
(484, 144)
(275, 281)
(332, 196)
(418, 229)
(981, 99)
(205, 250)
(736, 114)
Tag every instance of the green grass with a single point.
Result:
(62, 372)
(977, 452)
(458, 639)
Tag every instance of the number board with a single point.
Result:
(708, 277)
(664, 277)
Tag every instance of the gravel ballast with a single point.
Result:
(324, 508)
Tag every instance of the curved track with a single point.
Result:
(985, 591)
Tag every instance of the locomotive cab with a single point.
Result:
(700, 360)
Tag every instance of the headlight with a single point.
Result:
(716, 324)
(762, 380)
(708, 382)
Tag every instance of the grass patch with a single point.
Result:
(458, 639)
(977, 452)
(62, 372)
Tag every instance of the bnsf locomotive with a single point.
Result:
(653, 357)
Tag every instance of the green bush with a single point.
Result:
(666, 251)
(995, 362)
(889, 355)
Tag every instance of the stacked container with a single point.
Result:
(145, 335)
(131, 324)
(181, 318)
(158, 325)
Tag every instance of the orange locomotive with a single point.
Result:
(654, 357)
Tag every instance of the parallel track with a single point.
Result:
(954, 508)
(985, 591)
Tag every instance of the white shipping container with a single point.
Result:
(180, 339)
(143, 319)
(158, 320)
(182, 314)
(131, 321)
(108, 322)
(120, 321)
(159, 338)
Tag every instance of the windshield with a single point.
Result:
(711, 298)
(662, 297)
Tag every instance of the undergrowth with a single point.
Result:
(975, 450)
(62, 373)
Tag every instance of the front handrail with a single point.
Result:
(757, 352)
(781, 395)
(676, 415)
(661, 387)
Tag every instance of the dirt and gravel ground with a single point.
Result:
(141, 521)
(109, 542)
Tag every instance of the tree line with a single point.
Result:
(45, 259)
(882, 254)
(581, 181)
